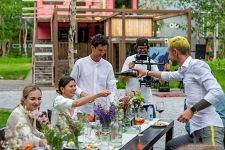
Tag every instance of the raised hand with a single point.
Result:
(104, 93)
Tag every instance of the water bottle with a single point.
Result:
(150, 113)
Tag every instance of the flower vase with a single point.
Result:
(76, 143)
(116, 134)
(105, 136)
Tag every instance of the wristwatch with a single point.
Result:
(193, 109)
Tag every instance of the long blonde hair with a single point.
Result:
(26, 91)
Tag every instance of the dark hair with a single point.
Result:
(27, 90)
(63, 82)
(141, 41)
(99, 39)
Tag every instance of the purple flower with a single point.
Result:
(105, 115)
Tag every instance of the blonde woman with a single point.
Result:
(21, 127)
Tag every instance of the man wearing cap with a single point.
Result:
(202, 92)
(133, 83)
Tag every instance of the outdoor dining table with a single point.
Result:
(150, 136)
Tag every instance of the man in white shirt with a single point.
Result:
(93, 73)
(202, 91)
(132, 83)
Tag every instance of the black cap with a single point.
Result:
(141, 41)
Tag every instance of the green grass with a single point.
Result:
(218, 69)
(14, 68)
(3, 118)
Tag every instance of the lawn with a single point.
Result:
(218, 69)
(14, 68)
(3, 118)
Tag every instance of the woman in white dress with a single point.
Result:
(21, 126)
(65, 100)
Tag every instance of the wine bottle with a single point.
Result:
(129, 73)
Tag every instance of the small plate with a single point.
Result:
(160, 124)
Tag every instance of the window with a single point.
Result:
(120, 3)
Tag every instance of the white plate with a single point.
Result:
(160, 124)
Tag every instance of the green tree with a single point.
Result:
(206, 14)
(10, 22)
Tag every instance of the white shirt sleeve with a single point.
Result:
(62, 103)
(170, 76)
(75, 74)
(126, 64)
(202, 74)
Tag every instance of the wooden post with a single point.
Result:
(110, 42)
(123, 42)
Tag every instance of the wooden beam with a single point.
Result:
(28, 17)
(108, 17)
(128, 10)
(28, 8)
(27, 14)
(78, 7)
(29, 0)
(53, 2)
(165, 16)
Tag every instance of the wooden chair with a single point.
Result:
(2, 138)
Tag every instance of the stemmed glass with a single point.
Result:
(160, 108)
(140, 119)
(130, 115)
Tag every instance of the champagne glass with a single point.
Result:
(140, 119)
(160, 108)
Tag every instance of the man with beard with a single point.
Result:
(201, 89)
(94, 74)
(133, 83)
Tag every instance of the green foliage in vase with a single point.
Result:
(74, 127)
(53, 137)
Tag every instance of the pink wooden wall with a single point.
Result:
(43, 31)
(46, 11)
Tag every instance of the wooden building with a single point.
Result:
(121, 25)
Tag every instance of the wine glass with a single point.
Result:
(140, 119)
(160, 108)
(130, 115)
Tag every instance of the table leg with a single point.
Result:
(169, 136)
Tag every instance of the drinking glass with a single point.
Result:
(160, 108)
(130, 115)
(140, 119)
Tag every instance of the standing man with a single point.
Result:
(93, 73)
(202, 92)
(132, 83)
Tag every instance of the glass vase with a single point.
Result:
(105, 136)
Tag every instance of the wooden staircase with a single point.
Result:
(43, 64)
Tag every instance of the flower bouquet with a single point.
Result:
(105, 115)
(130, 100)
(74, 128)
